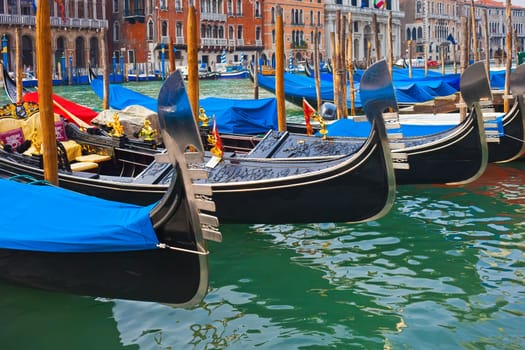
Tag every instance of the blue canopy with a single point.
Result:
(350, 128)
(121, 97)
(242, 116)
(52, 219)
(232, 115)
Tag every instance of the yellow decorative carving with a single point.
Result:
(117, 130)
(35, 143)
(147, 132)
(322, 123)
(203, 118)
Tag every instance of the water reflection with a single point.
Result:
(444, 266)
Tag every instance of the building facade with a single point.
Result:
(142, 31)
(436, 25)
(302, 21)
(363, 31)
(76, 29)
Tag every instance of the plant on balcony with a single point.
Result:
(300, 45)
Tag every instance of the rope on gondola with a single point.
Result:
(165, 246)
(514, 138)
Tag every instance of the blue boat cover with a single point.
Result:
(242, 116)
(422, 86)
(121, 97)
(51, 219)
(232, 115)
(350, 128)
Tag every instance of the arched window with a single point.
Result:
(149, 33)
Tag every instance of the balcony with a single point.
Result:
(331, 7)
(213, 42)
(210, 16)
(302, 45)
(135, 15)
(56, 22)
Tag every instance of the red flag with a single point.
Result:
(308, 111)
(217, 149)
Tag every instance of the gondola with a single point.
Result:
(510, 145)
(59, 240)
(358, 178)
(457, 155)
(9, 85)
(505, 132)
(74, 112)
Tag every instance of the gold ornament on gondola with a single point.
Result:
(317, 117)
(147, 132)
(203, 118)
(117, 130)
(34, 141)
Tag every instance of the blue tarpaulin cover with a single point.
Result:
(51, 219)
(350, 128)
(242, 116)
(121, 97)
(233, 115)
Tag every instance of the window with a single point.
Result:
(164, 28)
(178, 28)
(116, 5)
(149, 33)
(239, 7)
(257, 33)
(116, 31)
(239, 32)
(257, 9)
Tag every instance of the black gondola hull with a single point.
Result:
(511, 145)
(456, 156)
(361, 192)
(151, 275)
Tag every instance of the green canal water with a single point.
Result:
(443, 270)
